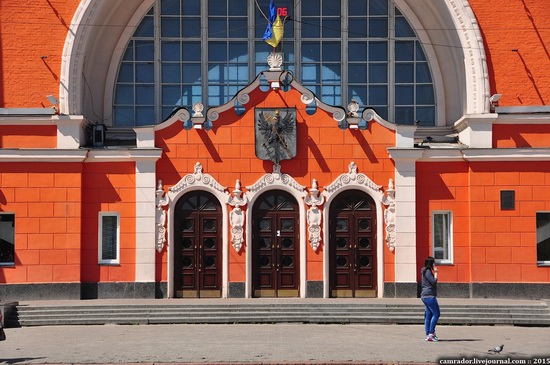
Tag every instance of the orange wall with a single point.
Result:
(504, 241)
(227, 153)
(45, 198)
(108, 187)
(35, 136)
(521, 135)
(444, 186)
(493, 245)
(522, 77)
(30, 30)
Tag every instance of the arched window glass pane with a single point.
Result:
(188, 51)
(146, 28)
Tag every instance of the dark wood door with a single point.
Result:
(198, 246)
(352, 252)
(276, 254)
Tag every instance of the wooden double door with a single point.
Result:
(198, 246)
(275, 246)
(352, 246)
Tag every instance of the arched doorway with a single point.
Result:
(198, 246)
(352, 246)
(275, 246)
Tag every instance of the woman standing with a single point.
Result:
(428, 295)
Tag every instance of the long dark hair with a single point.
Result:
(429, 263)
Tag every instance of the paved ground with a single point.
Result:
(272, 343)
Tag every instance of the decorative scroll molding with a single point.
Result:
(275, 179)
(198, 179)
(308, 97)
(370, 115)
(352, 178)
(237, 217)
(242, 97)
(161, 200)
(314, 215)
(389, 215)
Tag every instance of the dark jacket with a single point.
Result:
(429, 284)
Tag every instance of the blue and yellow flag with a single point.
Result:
(275, 27)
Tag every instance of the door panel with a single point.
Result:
(275, 263)
(197, 251)
(352, 255)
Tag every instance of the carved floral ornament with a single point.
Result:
(314, 215)
(355, 179)
(313, 199)
(161, 200)
(236, 217)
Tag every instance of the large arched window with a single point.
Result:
(188, 51)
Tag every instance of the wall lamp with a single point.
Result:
(493, 100)
(54, 103)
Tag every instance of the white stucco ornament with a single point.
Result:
(197, 110)
(389, 215)
(275, 180)
(352, 178)
(275, 61)
(161, 200)
(198, 180)
(314, 216)
(236, 217)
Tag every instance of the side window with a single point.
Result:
(7, 239)
(109, 245)
(543, 238)
(442, 237)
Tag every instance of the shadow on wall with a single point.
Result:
(1, 68)
(532, 19)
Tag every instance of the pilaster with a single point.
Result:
(145, 221)
(405, 213)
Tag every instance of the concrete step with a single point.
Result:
(54, 314)
(21, 315)
(281, 308)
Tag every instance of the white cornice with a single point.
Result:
(469, 120)
(41, 155)
(26, 120)
(123, 155)
(404, 154)
(523, 119)
(22, 120)
(470, 154)
(507, 154)
(78, 155)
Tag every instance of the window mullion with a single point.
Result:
(204, 53)
(298, 42)
(157, 64)
(251, 41)
(391, 63)
(344, 62)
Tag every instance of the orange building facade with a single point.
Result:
(287, 185)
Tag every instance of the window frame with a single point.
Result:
(101, 260)
(388, 112)
(12, 263)
(450, 247)
(540, 262)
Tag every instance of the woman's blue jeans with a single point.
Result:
(432, 314)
